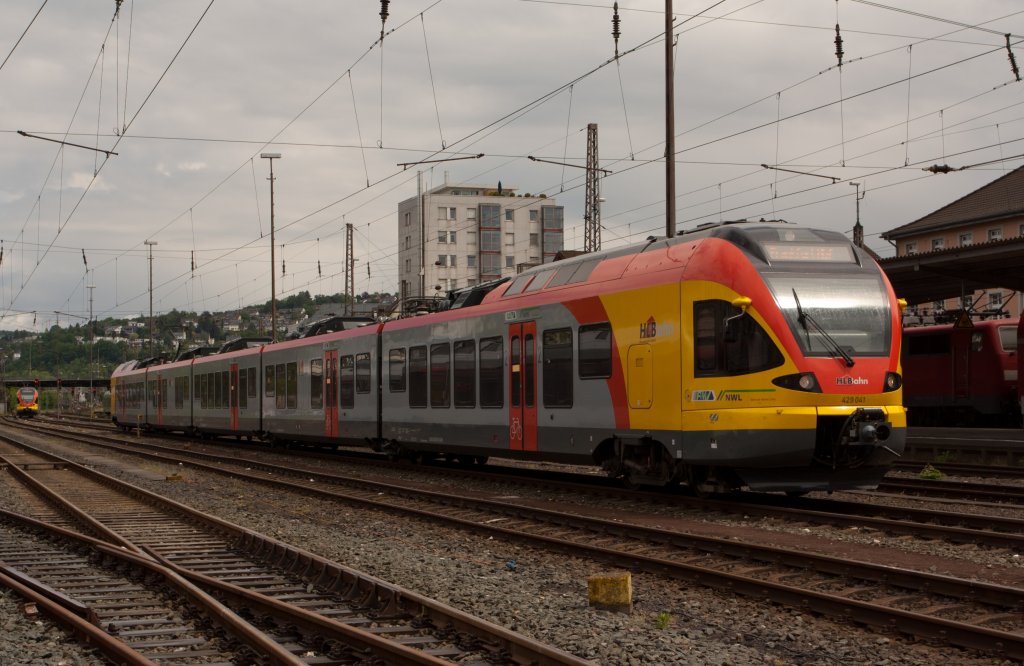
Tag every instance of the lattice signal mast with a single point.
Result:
(592, 215)
(350, 270)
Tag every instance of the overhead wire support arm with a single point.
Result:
(108, 153)
(801, 173)
(406, 165)
(578, 166)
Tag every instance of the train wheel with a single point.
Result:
(796, 493)
(480, 460)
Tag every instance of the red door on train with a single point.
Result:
(1020, 362)
(233, 396)
(331, 392)
(522, 402)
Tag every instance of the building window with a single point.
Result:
(408, 217)
(966, 238)
(471, 213)
(490, 241)
(510, 238)
(442, 260)
(558, 368)
(995, 299)
(910, 248)
(552, 242)
(995, 234)
(451, 236)
(510, 215)
(490, 264)
(490, 216)
(451, 260)
(534, 215)
(408, 265)
(446, 213)
(471, 238)
(534, 240)
(510, 261)
(442, 236)
(408, 242)
(471, 261)
(471, 282)
(938, 243)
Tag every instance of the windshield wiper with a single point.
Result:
(806, 319)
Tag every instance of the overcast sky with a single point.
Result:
(189, 93)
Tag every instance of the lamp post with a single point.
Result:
(273, 285)
(150, 244)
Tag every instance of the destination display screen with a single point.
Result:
(821, 252)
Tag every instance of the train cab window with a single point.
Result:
(595, 351)
(465, 373)
(557, 362)
(268, 381)
(396, 370)
(726, 345)
(316, 383)
(346, 383)
(1008, 338)
(292, 385)
(280, 387)
(492, 372)
(440, 374)
(417, 376)
(362, 373)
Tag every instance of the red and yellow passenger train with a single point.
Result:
(28, 402)
(762, 355)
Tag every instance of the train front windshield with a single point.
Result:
(851, 310)
(27, 394)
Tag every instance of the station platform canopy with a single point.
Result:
(954, 272)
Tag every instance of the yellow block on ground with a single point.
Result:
(611, 591)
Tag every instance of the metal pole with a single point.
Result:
(670, 129)
(273, 283)
(150, 244)
(92, 339)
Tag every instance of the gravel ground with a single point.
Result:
(544, 595)
(36, 642)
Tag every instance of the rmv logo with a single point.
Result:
(648, 329)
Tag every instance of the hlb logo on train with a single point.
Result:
(851, 381)
(648, 329)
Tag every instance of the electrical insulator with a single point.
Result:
(367, 270)
(615, 27)
(84, 260)
(839, 46)
(318, 273)
(1013, 61)
(383, 16)
(282, 268)
(193, 259)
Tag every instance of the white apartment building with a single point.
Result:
(473, 234)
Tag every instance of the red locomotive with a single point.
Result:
(962, 374)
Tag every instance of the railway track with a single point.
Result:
(333, 614)
(962, 612)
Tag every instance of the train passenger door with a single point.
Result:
(233, 396)
(331, 392)
(522, 395)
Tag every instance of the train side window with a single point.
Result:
(440, 375)
(362, 373)
(595, 351)
(280, 386)
(557, 362)
(242, 391)
(465, 373)
(202, 390)
(316, 383)
(252, 385)
(529, 370)
(417, 376)
(225, 389)
(396, 370)
(346, 383)
(492, 372)
(163, 392)
(268, 381)
(292, 384)
(747, 348)
(178, 397)
(186, 382)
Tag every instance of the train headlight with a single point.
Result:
(893, 382)
(805, 381)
